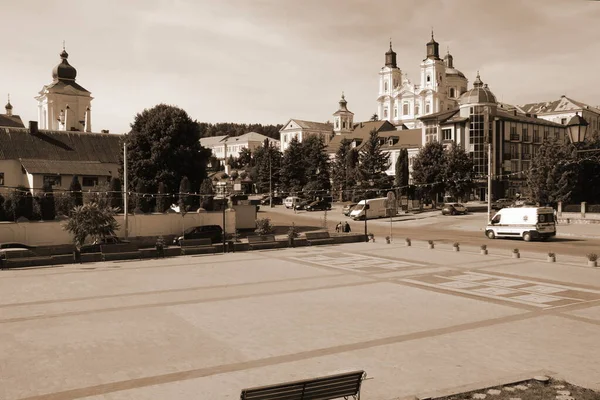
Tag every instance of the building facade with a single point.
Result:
(440, 85)
(480, 120)
(225, 146)
(300, 129)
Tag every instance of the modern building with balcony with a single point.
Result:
(480, 120)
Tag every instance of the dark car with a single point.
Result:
(348, 209)
(318, 205)
(453, 209)
(501, 203)
(95, 246)
(15, 245)
(276, 200)
(212, 232)
(301, 204)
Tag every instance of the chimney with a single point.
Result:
(67, 117)
(88, 119)
(33, 127)
(515, 112)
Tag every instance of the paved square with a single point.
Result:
(206, 327)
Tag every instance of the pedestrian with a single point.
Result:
(338, 227)
(346, 227)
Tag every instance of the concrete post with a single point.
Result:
(583, 209)
(559, 211)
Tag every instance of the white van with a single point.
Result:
(291, 201)
(376, 209)
(525, 222)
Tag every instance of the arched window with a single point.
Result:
(337, 123)
(395, 112)
(428, 78)
(427, 108)
(452, 92)
(405, 109)
(344, 124)
(417, 109)
(385, 86)
(385, 114)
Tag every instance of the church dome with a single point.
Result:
(450, 70)
(454, 72)
(479, 94)
(64, 70)
(8, 106)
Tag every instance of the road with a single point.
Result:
(465, 229)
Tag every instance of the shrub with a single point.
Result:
(551, 254)
(63, 203)
(47, 204)
(293, 232)
(484, 247)
(430, 241)
(515, 250)
(75, 191)
(90, 220)
(264, 227)
(456, 244)
(115, 196)
(592, 257)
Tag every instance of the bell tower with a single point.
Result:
(390, 78)
(343, 119)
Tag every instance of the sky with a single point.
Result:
(266, 61)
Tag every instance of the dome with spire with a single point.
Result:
(390, 57)
(433, 48)
(8, 106)
(450, 70)
(479, 94)
(64, 70)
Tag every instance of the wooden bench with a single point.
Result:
(318, 238)
(262, 242)
(196, 246)
(339, 386)
(120, 251)
(24, 258)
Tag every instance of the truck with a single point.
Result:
(376, 209)
(528, 223)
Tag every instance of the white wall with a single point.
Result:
(51, 233)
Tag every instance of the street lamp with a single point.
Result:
(577, 128)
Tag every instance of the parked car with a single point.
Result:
(15, 245)
(524, 202)
(212, 232)
(501, 203)
(291, 201)
(348, 209)
(453, 209)
(318, 205)
(17, 252)
(301, 204)
(95, 246)
(276, 200)
(528, 223)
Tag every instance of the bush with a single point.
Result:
(456, 244)
(551, 254)
(115, 196)
(264, 227)
(75, 190)
(293, 232)
(515, 250)
(592, 257)
(47, 204)
(484, 247)
(430, 241)
(63, 204)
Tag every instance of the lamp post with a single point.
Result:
(270, 181)
(125, 199)
(577, 128)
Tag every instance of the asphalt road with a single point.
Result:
(465, 229)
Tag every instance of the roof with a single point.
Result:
(318, 126)
(564, 104)
(477, 95)
(250, 137)
(362, 131)
(510, 116)
(12, 121)
(58, 84)
(440, 116)
(212, 140)
(454, 71)
(67, 167)
(19, 143)
(453, 115)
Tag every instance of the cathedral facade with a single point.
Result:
(402, 103)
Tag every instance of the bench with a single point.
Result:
(120, 251)
(318, 238)
(196, 246)
(24, 258)
(262, 242)
(339, 386)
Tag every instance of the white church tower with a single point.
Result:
(390, 77)
(63, 104)
(343, 119)
(433, 80)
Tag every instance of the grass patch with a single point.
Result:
(534, 391)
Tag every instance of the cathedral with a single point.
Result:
(402, 103)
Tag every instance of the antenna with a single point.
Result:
(63, 45)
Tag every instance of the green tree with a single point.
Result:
(185, 200)
(340, 169)
(374, 117)
(267, 166)
(142, 203)
(401, 178)
(164, 146)
(245, 158)
(317, 165)
(293, 167)
(429, 170)
(75, 191)
(555, 175)
(162, 199)
(115, 195)
(47, 204)
(91, 220)
(458, 177)
(206, 194)
(373, 163)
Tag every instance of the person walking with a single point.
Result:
(338, 227)
(346, 227)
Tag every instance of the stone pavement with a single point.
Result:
(204, 327)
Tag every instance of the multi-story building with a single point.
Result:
(300, 129)
(402, 103)
(225, 146)
(480, 120)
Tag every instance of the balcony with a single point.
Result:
(514, 136)
(536, 138)
(526, 138)
(526, 156)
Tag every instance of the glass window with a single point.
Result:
(446, 134)
(417, 109)
(396, 112)
(428, 78)
(52, 180)
(89, 181)
(385, 115)
(452, 92)
(405, 109)
(427, 108)
(385, 86)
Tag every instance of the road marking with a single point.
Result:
(356, 262)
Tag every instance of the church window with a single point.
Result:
(452, 94)
(337, 123)
(395, 82)
(385, 113)
(344, 125)
(427, 108)
(385, 86)
(405, 109)
(395, 112)
(428, 78)
(417, 109)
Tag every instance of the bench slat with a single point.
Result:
(118, 248)
(324, 388)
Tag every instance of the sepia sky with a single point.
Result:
(266, 61)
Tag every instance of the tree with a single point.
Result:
(267, 166)
(47, 205)
(373, 163)
(317, 165)
(429, 169)
(18, 204)
(458, 177)
(75, 191)
(91, 220)
(142, 205)
(185, 201)
(340, 169)
(115, 196)
(401, 178)
(374, 117)
(162, 199)
(99, 194)
(245, 158)
(206, 194)
(293, 168)
(556, 173)
(164, 146)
